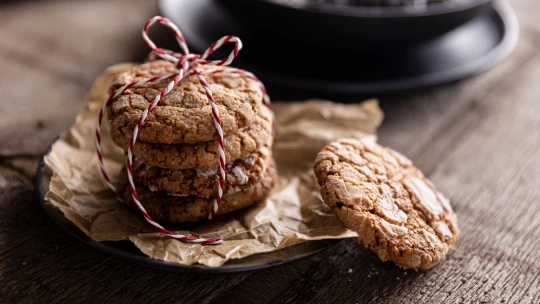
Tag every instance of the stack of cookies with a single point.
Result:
(176, 158)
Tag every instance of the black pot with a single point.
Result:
(328, 51)
(322, 26)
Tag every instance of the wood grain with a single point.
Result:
(477, 139)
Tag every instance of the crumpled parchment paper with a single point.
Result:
(293, 213)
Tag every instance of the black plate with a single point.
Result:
(353, 69)
(126, 251)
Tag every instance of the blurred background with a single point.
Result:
(336, 49)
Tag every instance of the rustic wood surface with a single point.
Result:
(478, 140)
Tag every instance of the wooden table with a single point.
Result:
(478, 140)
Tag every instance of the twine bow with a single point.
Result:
(187, 64)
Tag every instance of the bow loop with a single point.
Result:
(189, 61)
(164, 53)
(217, 44)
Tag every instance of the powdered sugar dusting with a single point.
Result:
(425, 195)
(175, 194)
(240, 175)
(442, 230)
(264, 151)
(250, 159)
(207, 171)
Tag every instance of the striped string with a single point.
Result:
(187, 64)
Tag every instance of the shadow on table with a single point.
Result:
(40, 261)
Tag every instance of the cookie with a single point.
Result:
(163, 207)
(395, 210)
(241, 174)
(184, 114)
(204, 154)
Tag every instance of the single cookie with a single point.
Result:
(395, 210)
(184, 114)
(241, 174)
(204, 154)
(163, 207)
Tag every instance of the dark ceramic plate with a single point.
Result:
(126, 251)
(348, 66)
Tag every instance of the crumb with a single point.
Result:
(350, 270)
(40, 125)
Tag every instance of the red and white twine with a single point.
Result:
(187, 64)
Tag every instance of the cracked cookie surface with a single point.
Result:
(395, 210)
(184, 114)
(163, 207)
(203, 154)
(241, 174)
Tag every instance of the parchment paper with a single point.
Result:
(293, 213)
